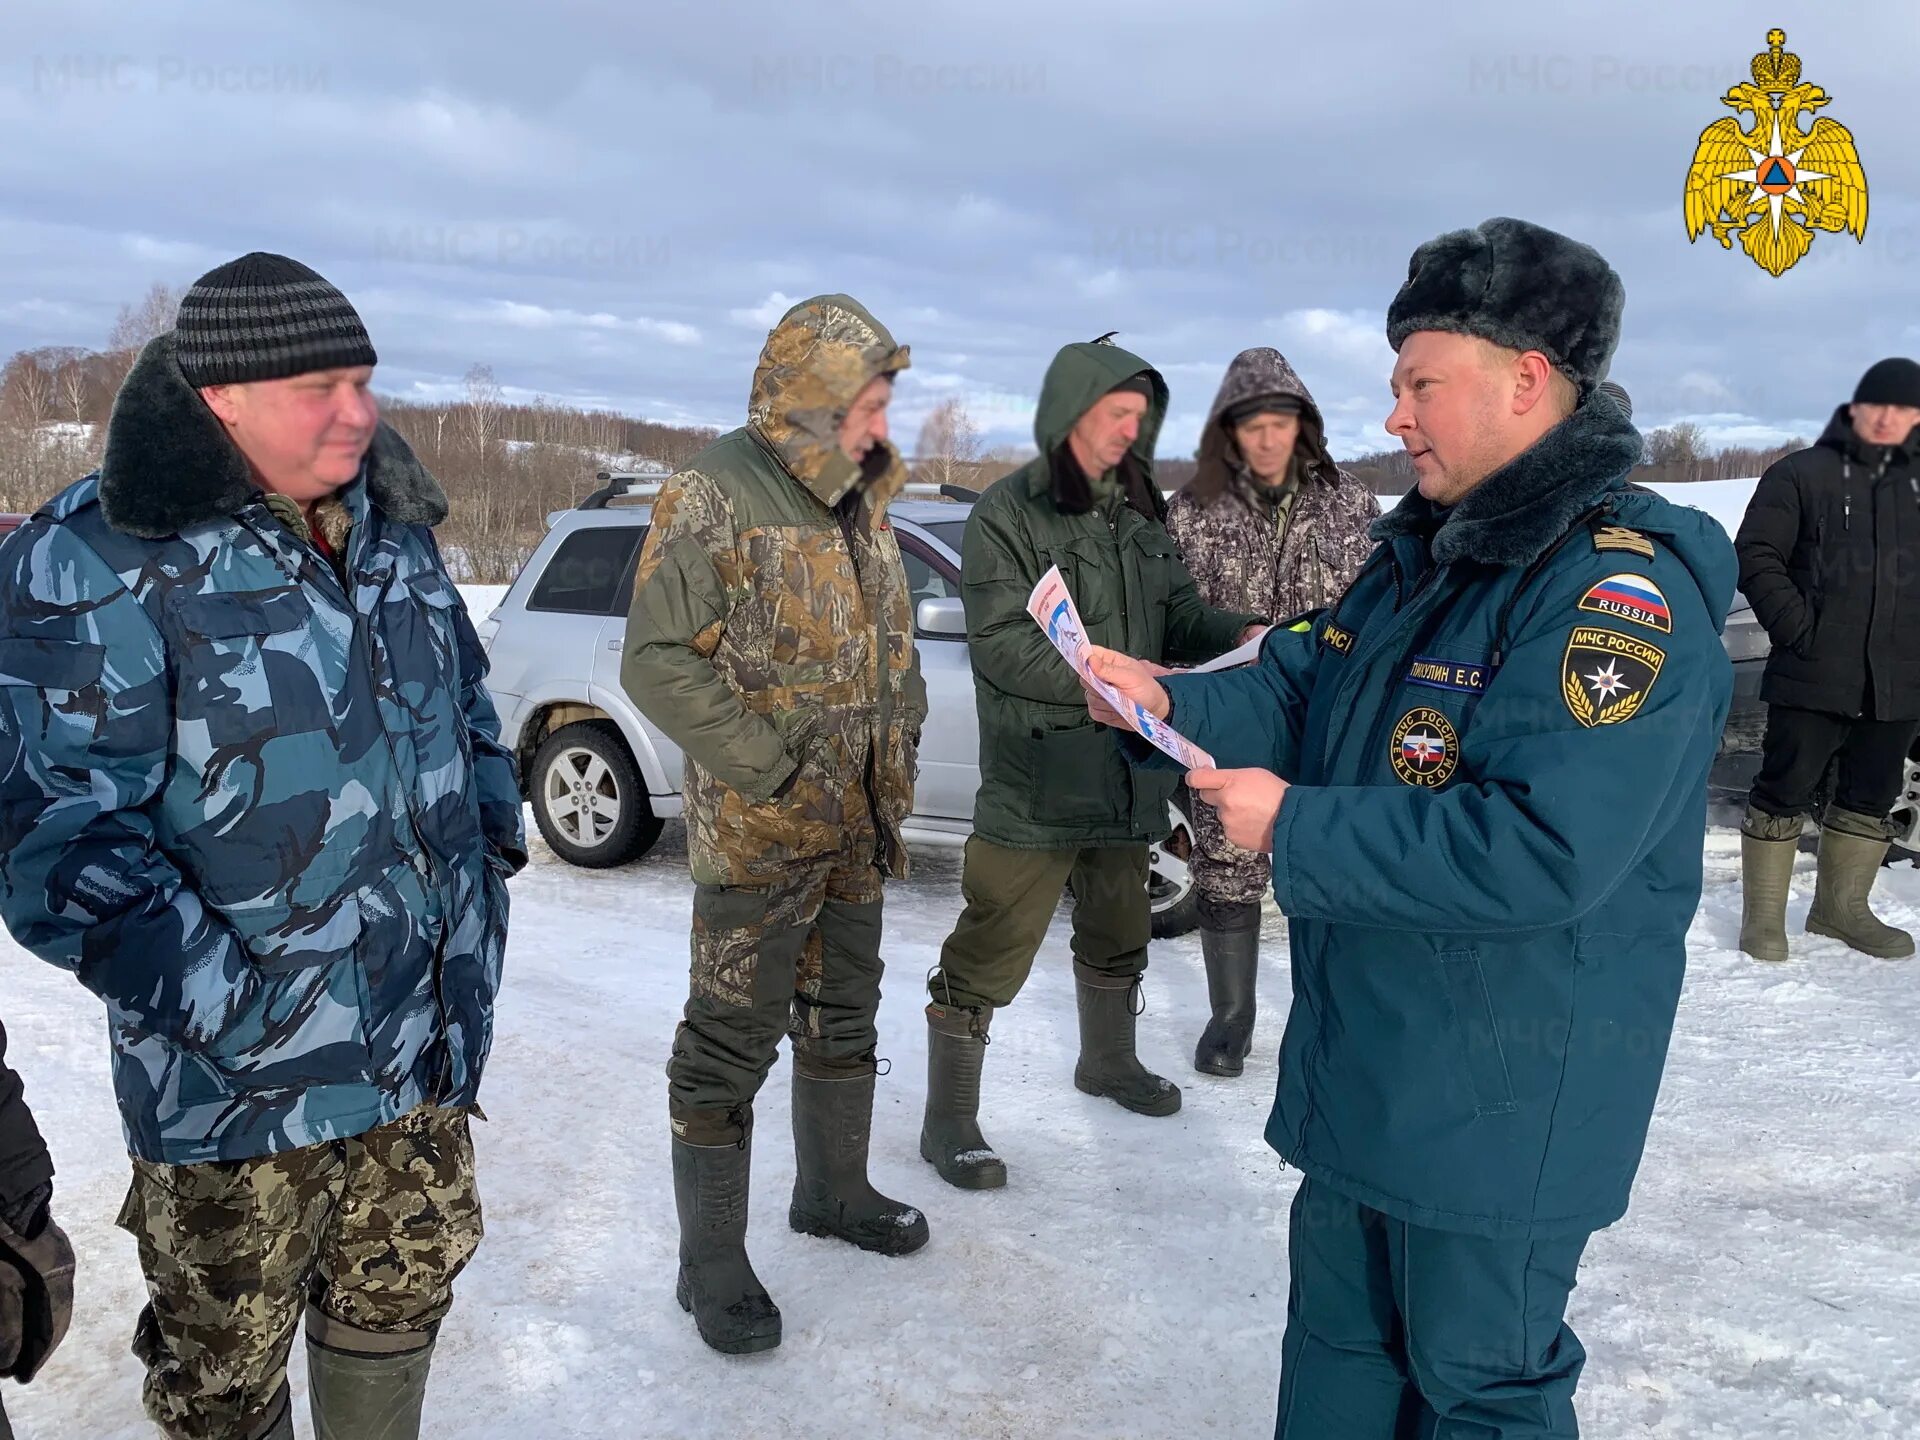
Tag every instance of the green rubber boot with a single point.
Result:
(1108, 1065)
(1852, 849)
(1768, 844)
(363, 1386)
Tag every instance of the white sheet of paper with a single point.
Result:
(1239, 655)
(1054, 612)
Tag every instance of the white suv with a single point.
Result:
(603, 781)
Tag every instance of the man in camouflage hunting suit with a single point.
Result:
(772, 639)
(1269, 524)
(252, 794)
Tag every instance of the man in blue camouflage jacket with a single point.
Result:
(252, 794)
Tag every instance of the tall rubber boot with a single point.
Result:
(832, 1197)
(950, 1138)
(1108, 1065)
(1852, 849)
(1230, 945)
(716, 1285)
(363, 1386)
(1768, 844)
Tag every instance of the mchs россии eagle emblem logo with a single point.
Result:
(1775, 184)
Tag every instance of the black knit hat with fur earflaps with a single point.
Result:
(265, 317)
(1519, 285)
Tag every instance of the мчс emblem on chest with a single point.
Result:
(1606, 676)
(1425, 748)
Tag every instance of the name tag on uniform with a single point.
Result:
(1335, 639)
(1465, 676)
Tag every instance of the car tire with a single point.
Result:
(588, 798)
(1173, 897)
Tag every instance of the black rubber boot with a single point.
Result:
(1230, 943)
(950, 1138)
(276, 1424)
(1108, 1065)
(363, 1386)
(717, 1286)
(1852, 849)
(832, 1197)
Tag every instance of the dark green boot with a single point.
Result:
(1230, 945)
(1768, 844)
(950, 1138)
(717, 1286)
(832, 1197)
(363, 1386)
(1108, 1065)
(1852, 849)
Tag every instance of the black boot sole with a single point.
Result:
(986, 1175)
(738, 1345)
(1219, 1065)
(899, 1240)
(1168, 1105)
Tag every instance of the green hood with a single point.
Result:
(1079, 375)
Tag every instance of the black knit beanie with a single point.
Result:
(265, 317)
(1894, 381)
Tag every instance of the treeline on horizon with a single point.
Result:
(506, 466)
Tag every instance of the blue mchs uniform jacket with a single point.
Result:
(1498, 743)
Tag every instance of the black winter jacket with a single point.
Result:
(1830, 559)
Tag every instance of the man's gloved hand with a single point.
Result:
(36, 1286)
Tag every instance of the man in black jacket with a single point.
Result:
(36, 1264)
(1830, 558)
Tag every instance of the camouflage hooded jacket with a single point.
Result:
(771, 635)
(1230, 538)
(262, 813)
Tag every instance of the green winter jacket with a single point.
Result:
(1049, 779)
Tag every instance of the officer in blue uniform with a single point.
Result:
(1482, 779)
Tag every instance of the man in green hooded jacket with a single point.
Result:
(1057, 802)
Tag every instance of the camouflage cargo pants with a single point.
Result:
(367, 1233)
(1222, 871)
(799, 956)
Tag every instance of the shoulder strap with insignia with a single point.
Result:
(1619, 537)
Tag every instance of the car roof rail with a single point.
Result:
(928, 490)
(619, 485)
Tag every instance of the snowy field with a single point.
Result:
(1131, 1280)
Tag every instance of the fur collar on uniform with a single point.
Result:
(1512, 516)
(169, 464)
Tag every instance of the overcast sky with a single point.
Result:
(611, 203)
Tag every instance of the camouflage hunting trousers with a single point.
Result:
(1222, 871)
(799, 956)
(366, 1233)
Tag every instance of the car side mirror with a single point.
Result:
(945, 617)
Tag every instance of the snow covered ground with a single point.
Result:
(1131, 1280)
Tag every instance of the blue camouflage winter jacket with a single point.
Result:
(265, 816)
(1498, 743)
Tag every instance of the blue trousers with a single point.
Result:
(1397, 1332)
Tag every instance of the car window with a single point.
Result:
(925, 581)
(948, 532)
(588, 573)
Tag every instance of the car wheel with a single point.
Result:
(1171, 893)
(588, 798)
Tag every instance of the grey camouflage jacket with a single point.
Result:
(1230, 541)
(264, 815)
